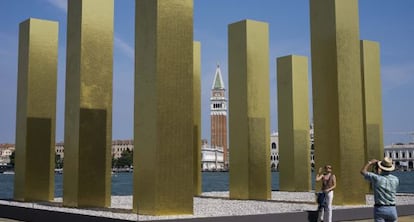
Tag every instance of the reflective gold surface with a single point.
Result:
(197, 118)
(249, 110)
(88, 108)
(337, 95)
(163, 118)
(293, 123)
(36, 110)
(371, 75)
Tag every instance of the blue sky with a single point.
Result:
(385, 21)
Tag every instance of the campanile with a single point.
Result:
(218, 114)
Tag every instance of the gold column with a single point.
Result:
(293, 121)
(88, 108)
(163, 123)
(371, 75)
(36, 110)
(249, 110)
(337, 95)
(197, 119)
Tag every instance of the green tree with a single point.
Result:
(125, 160)
(58, 162)
(113, 161)
(12, 158)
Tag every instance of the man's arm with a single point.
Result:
(364, 169)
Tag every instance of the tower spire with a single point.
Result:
(218, 79)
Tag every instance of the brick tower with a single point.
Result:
(218, 114)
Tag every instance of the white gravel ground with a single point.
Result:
(211, 204)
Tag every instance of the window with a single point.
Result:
(273, 145)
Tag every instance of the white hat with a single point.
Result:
(386, 164)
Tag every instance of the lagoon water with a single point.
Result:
(211, 181)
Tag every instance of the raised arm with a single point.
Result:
(319, 175)
(364, 169)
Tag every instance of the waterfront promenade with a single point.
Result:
(212, 206)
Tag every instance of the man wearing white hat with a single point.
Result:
(385, 187)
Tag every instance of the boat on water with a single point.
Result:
(8, 172)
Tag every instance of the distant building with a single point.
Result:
(6, 151)
(274, 150)
(212, 158)
(59, 148)
(402, 155)
(218, 115)
(119, 146)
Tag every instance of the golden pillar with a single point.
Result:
(88, 108)
(371, 75)
(197, 119)
(337, 95)
(293, 123)
(36, 110)
(249, 110)
(163, 123)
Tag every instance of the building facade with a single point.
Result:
(274, 150)
(402, 155)
(59, 150)
(6, 151)
(218, 114)
(212, 157)
(119, 146)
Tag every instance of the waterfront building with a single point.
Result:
(119, 146)
(59, 148)
(218, 115)
(402, 155)
(274, 150)
(6, 151)
(212, 157)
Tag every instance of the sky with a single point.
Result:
(388, 22)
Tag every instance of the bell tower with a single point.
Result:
(218, 114)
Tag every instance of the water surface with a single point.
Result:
(211, 181)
